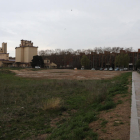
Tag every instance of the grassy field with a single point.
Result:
(55, 109)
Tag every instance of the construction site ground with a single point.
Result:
(66, 74)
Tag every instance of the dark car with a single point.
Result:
(101, 69)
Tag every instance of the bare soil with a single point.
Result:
(67, 74)
(118, 120)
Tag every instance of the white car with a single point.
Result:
(93, 69)
(110, 68)
(37, 67)
(105, 69)
(121, 69)
(125, 69)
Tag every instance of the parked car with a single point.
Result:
(121, 69)
(125, 69)
(110, 68)
(37, 67)
(101, 68)
(138, 70)
(105, 69)
(93, 69)
(116, 69)
(82, 68)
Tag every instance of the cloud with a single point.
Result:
(70, 24)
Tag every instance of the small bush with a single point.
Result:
(108, 105)
(53, 103)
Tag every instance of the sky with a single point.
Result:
(75, 24)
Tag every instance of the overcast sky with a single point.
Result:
(64, 24)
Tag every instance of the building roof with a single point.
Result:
(27, 46)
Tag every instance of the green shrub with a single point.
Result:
(108, 105)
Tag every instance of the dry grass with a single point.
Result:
(53, 103)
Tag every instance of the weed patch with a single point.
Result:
(103, 123)
(53, 103)
(106, 106)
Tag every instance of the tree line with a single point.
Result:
(49, 52)
(70, 58)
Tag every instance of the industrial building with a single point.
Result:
(4, 56)
(24, 53)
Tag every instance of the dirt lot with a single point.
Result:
(67, 74)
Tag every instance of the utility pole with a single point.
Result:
(93, 61)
